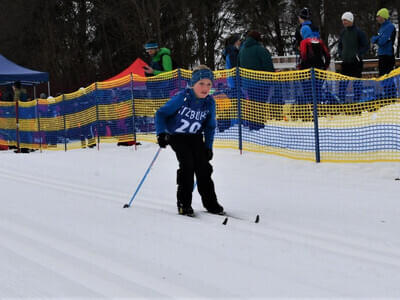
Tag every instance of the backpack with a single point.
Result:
(314, 54)
(175, 65)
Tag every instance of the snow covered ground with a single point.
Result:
(326, 230)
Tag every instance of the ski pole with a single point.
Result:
(144, 177)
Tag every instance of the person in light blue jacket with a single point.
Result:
(187, 123)
(307, 27)
(385, 41)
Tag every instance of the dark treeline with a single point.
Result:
(80, 42)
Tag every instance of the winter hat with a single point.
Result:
(151, 45)
(384, 13)
(234, 38)
(348, 16)
(305, 13)
(255, 35)
(200, 74)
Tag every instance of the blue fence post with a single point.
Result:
(315, 116)
(179, 79)
(97, 116)
(65, 122)
(17, 125)
(239, 112)
(38, 122)
(133, 111)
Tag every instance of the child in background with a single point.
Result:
(181, 123)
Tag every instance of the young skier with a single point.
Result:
(187, 123)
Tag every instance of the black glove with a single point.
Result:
(163, 139)
(209, 154)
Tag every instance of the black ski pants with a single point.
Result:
(385, 64)
(353, 69)
(191, 153)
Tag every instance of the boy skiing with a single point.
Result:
(187, 123)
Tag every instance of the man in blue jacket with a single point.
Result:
(385, 41)
(181, 123)
(307, 28)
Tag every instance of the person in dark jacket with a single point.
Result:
(230, 55)
(187, 123)
(253, 55)
(231, 52)
(8, 94)
(353, 45)
(160, 59)
(385, 41)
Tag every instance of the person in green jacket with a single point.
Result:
(253, 55)
(160, 59)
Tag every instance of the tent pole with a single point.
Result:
(34, 92)
(48, 88)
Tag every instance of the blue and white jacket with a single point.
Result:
(184, 113)
(385, 38)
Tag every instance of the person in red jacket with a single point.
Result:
(313, 54)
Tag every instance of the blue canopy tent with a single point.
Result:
(11, 72)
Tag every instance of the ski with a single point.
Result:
(226, 216)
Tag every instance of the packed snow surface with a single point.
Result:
(326, 230)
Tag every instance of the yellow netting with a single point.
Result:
(358, 119)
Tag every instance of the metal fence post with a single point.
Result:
(38, 122)
(133, 112)
(65, 122)
(239, 108)
(97, 117)
(17, 125)
(179, 79)
(315, 116)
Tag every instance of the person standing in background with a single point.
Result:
(19, 92)
(231, 52)
(353, 45)
(385, 41)
(253, 55)
(161, 60)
